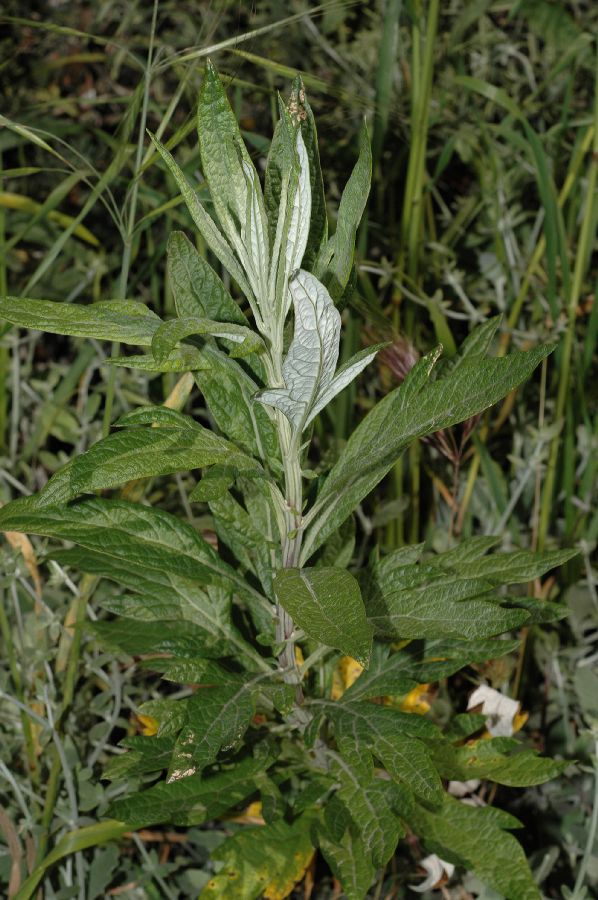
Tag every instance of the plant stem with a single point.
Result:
(581, 874)
(6, 633)
(88, 584)
(291, 545)
(586, 235)
(4, 354)
(128, 240)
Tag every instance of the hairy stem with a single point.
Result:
(291, 545)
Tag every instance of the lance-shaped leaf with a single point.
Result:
(146, 549)
(281, 197)
(252, 534)
(335, 260)
(178, 445)
(417, 408)
(395, 738)
(109, 320)
(450, 609)
(440, 598)
(196, 288)
(180, 359)
(192, 800)
(146, 755)
(167, 336)
(140, 638)
(253, 249)
(223, 154)
(327, 604)
(229, 391)
(300, 218)
(399, 672)
(308, 369)
(216, 241)
(473, 837)
(514, 568)
(318, 223)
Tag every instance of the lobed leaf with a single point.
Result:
(395, 738)
(192, 800)
(473, 837)
(179, 445)
(415, 409)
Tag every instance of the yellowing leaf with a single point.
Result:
(263, 861)
(22, 543)
(281, 887)
(149, 725)
(25, 204)
(250, 816)
(346, 673)
(415, 702)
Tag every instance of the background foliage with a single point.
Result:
(484, 201)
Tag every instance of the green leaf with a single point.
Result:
(229, 391)
(197, 290)
(222, 152)
(191, 800)
(140, 638)
(110, 320)
(205, 224)
(415, 409)
(240, 530)
(309, 367)
(282, 172)
(485, 759)
(449, 608)
(515, 568)
(150, 551)
(146, 755)
(442, 658)
(179, 445)
(335, 260)
(181, 359)
(318, 227)
(386, 675)
(374, 805)
(350, 862)
(327, 604)
(399, 672)
(213, 484)
(242, 340)
(266, 860)
(393, 737)
(216, 718)
(72, 842)
(473, 837)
